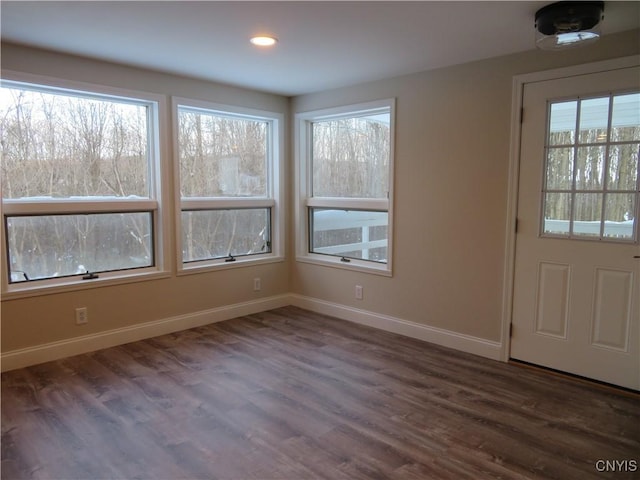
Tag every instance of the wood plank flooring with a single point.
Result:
(289, 394)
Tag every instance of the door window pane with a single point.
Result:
(590, 168)
(587, 212)
(625, 121)
(557, 213)
(623, 166)
(594, 120)
(562, 123)
(53, 246)
(559, 168)
(619, 215)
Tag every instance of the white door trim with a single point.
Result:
(519, 81)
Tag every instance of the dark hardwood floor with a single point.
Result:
(289, 394)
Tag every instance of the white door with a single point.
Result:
(576, 304)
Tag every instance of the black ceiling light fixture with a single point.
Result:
(563, 25)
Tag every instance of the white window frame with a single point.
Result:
(274, 200)
(305, 200)
(157, 177)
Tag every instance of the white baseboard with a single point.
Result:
(439, 336)
(88, 343)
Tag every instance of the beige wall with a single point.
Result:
(451, 168)
(452, 154)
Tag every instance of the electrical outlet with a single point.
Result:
(82, 316)
(257, 284)
(358, 292)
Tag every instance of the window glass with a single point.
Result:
(618, 213)
(210, 234)
(559, 168)
(60, 145)
(626, 118)
(590, 167)
(351, 157)
(557, 213)
(587, 213)
(562, 123)
(591, 182)
(52, 246)
(221, 156)
(350, 233)
(623, 166)
(594, 119)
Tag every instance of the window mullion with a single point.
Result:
(605, 173)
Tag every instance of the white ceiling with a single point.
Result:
(321, 45)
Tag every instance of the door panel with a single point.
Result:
(576, 304)
(612, 309)
(552, 299)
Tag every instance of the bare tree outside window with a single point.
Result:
(221, 156)
(350, 157)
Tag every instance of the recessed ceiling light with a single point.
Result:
(263, 40)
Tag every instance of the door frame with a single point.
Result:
(519, 82)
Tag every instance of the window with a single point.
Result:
(229, 186)
(591, 177)
(346, 167)
(79, 186)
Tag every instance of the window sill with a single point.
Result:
(46, 287)
(354, 265)
(212, 266)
